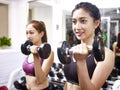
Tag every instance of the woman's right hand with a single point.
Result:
(34, 49)
(80, 52)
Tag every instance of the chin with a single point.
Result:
(79, 38)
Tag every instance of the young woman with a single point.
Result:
(116, 49)
(85, 72)
(35, 67)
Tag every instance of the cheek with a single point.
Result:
(90, 27)
(73, 28)
(35, 35)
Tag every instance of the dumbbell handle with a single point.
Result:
(44, 50)
(28, 47)
(70, 52)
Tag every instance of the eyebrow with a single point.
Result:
(80, 18)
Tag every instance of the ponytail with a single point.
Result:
(98, 31)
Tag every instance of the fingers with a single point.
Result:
(81, 49)
(34, 49)
(80, 52)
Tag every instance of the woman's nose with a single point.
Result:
(78, 26)
(28, 36)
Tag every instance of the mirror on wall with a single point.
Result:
(110, 20)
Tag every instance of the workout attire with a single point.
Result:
(70, 70)
(117, 60)
(29, 68)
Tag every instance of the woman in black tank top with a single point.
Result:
(71, 71)
(116, 49)
(85, 72)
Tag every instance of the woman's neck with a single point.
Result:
(30, 58)
(88, 41)
(38, 44)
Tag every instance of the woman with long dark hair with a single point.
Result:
(84, 72)
(116, 49)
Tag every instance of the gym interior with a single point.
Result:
(14, 15)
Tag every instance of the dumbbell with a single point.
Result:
(51, 73)
(43, 51)
(57, 66)
(60, 75)
(64, 53)
(20, 84)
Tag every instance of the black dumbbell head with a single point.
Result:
(54, 65)
(60, 75)
(51, 73)
(25, 47)
(61, 52)
(44, 50)
(17, 85)
(23, 79)
(60, 65)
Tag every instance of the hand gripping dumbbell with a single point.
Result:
(64, 53)
(43, 51)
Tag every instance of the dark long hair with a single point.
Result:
(40, 27)
(118, 40)
(93, 11)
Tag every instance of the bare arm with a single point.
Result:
(84, 80)
(80, 55)
(101, 73)
(103, 69)
(41, 72)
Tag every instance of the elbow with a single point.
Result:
(89, 88)
(41, 80)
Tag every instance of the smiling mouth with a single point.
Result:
(79, 34)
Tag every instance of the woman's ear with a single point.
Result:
(42, 34)
(97, 23)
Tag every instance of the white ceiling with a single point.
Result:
(69, 4)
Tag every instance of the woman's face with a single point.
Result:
(33, 35)
(83, 25)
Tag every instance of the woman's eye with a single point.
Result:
(83, 21)
(31, 32)
(73, 21)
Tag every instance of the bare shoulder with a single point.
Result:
(109, 52)
(114, 44)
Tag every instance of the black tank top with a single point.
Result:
(70, 70)
(117, 50)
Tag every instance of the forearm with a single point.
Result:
(83, 76)
(39, 73)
